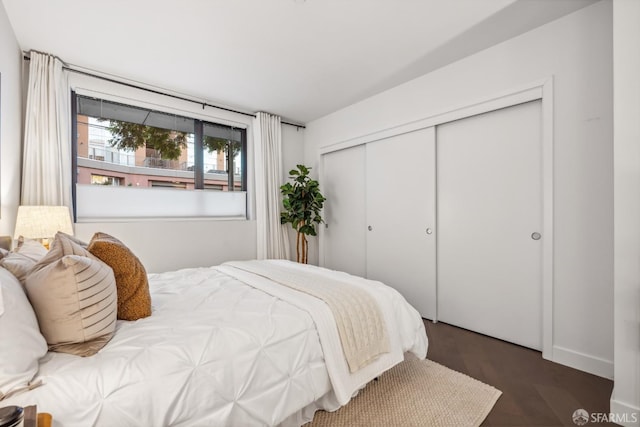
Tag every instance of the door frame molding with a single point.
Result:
(536, 90)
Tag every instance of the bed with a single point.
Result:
(224, 346)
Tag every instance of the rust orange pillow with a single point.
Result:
(134, 300)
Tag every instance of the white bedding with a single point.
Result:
(216, 352)
(354, 311)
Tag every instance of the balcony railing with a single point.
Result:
(158, 163)
(114, 157)
(111, 156)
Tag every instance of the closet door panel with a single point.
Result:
(489, 209)
(400, 208)
(343, 184)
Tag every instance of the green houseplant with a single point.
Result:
(302, 202)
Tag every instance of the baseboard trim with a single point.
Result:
(584, 362)
(626, 415)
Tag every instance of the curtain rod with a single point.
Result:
(157, 92)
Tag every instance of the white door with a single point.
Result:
(401, 242)
(489, 210)
(343, 184)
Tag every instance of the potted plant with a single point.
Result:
(302, 202)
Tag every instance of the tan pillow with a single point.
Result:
(18, 264)
(62, 245)
(74, 297)
(23, 258)
(134, 300)
(31, 248)
(71, 238)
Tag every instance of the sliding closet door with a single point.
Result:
(343, 184)
(401, 242)
(489, 220)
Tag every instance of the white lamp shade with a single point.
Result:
(42, 222)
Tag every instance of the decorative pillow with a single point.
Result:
(24, 258)
(74, 297)
(62, 245)
(73, 239)
(31, 249)
(134, 300)
(22, 343)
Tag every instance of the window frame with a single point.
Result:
(199, 167)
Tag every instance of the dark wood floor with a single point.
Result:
(535, 392)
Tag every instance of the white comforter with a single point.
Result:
(215, 352)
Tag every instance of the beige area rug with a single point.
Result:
(415, 393)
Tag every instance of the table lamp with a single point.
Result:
(42, 222)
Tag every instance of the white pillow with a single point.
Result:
(22, 343)
(21, 261)
(32, 249)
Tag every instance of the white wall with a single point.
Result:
(171, 245)
(10, 125)
(626, 66)
(577, 51)
(292, 155)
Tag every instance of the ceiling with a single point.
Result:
(300, 59)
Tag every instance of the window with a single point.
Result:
(169, 184)
(213, 187)
(130, 147)
(223, 156)
(105, 180)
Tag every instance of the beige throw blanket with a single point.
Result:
(360, 324)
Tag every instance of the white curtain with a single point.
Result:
(46, 169)
(272, 236)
